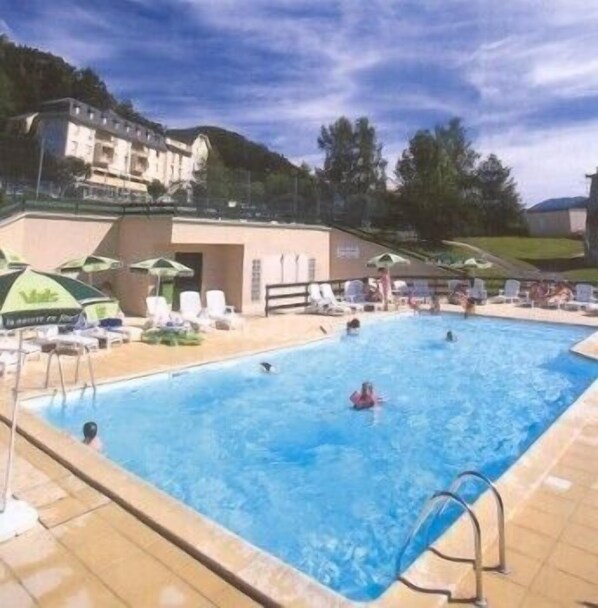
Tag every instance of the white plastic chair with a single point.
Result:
(478, 291)
(192, 311)
(330, 297)
(421, 289)
(510, 292)
(584, 297)
(220, 311)
(354, 292)
(319, 304)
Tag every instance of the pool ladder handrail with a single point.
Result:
(431, 504)
(500, 512)
(451, 495)
(55, 353)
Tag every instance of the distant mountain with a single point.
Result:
(238, 152)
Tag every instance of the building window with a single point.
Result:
(74, 147)
(116, 124)
(311, 269)
(91, 114)
(256, 280)
(104, 120)
(77, 109)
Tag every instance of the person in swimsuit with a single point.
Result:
(366, 398)
(268, 368)
(450, 337)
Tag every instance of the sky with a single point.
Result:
(522, 74)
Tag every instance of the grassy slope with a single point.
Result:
(548, 254)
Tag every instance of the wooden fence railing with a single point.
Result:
(287, 296)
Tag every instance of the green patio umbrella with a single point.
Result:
(89, 264)
(30, 299)
(11, 260)
(386, 260)
(162, 268)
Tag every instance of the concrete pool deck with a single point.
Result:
(90, 551)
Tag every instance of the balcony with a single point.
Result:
(103, 154)
(138, 150)
(105, 138)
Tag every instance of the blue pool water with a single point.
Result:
(284, 462)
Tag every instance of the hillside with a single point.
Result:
(238, 152)
(29, 77)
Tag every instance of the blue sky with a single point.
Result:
(523, 74)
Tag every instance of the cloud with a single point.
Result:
(522, 75)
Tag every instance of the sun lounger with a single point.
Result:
(224, 315)
(49, 337)
(192, 311)
(329, 295)
(158, 310)
(8, 362)
(509, 293)
(29, 349)
(319, 305)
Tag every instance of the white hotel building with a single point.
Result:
(123, 155)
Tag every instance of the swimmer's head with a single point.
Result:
(267, 367)
(90, 430)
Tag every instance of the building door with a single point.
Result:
(195, 262)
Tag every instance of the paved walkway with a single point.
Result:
(88, 551)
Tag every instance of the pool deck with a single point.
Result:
(88, 550)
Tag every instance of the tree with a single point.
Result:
(501, 211)
(353, 163)
(156, 189)
(436, 181)
(591, 240)
(66, 171)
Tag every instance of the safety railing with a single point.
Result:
(55, 353)
(436, 505)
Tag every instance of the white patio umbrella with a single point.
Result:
(30, 299)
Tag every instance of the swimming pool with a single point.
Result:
(285, 463)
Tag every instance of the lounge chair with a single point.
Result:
(510, 292)
(478, 291)
(328, 294)
(8, 362)
(50, 337)
(320, 305)
(421, 290)
(158, 309)
(223, 315)
(29, 349)
(584, 297)
(354, 292)
(192, 311)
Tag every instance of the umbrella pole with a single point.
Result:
(16, 516)
(13, 428)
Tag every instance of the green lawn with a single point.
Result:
(548, 254)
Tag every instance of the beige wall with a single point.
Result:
(577, 217)
(550, 223)
(349, 255)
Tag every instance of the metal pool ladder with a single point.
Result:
(440, 499)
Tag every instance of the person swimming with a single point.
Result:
(353, 327)
(268, 368)
(450, 337)
(366, 398)
(90, 436)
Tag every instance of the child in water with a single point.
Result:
(365, 398)
(90, 436)
(450, 337)
(353, 327)
(268, 368)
